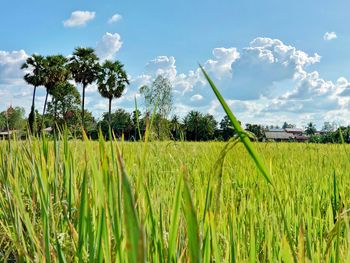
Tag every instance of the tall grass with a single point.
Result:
(116, 201)
(76, 201)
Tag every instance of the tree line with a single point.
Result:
(195, 126)
(58, 74)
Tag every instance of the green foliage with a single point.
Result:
(257, 130)
(159, 95)
(287, 125)
(65, 103)
(36, 65)
(85, 211)
(56, 72)
(226, 128)
(13, 119)
(84, 68)
(255, 157)
(111, 82)
(199, 127)
(112, 79)
(310, 129)
(120, 123)
(159, 100)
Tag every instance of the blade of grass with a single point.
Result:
(192, 225)
(131, 220)
(253, 154)
(175, 217)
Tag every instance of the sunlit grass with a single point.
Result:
(116, 201)
(68, 201)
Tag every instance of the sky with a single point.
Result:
(274, 61)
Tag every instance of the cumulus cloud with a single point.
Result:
(10, 66)
(264, 64)
(264, 81)
(13, 89)
(108, 46)
(79, 18)
(115, 18)
(221, 66)
(329, 36)
(162, 65)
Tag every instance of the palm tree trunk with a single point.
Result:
(31, 118)
(42, 118)
(55, 103)
(82, 108)
(109, 112)
(33, 100)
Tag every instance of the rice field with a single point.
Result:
(115, 201)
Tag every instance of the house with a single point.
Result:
(278, 136)
(294, 131)
(288, 134)
(7, 134)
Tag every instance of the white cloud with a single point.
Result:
(79, 18)
(141, 80)
(13, 89)
(263, 65)
(329, 36)
(108, 46)
(162, 65)
(196, 97)
(115, 18)
(221, 66)
(10, 66)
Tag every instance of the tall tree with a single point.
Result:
(159, 97)
(111, 82)
(310, 129)
(226, 128)
(56, 72)
(159, 94)
(35, 77)
(12, 119)
(192, 125)
(66, 100)
(257, 130)
(176, 128)
(137, 124)
(85, 69)
(199, 127)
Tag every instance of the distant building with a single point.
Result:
(294, 131)
(278, 136)
(288, 134)
(7, 134)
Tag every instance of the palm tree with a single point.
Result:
(85, 68)
(111, 82)
(56, 73)
(310, 129)
(35, 77)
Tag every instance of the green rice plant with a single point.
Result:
(256, 158)
(69, 200)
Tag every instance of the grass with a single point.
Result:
(116, 201)
(74, 201)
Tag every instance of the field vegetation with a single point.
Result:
(118, 201)
(66, 201)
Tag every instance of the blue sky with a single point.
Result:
(274, 61)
